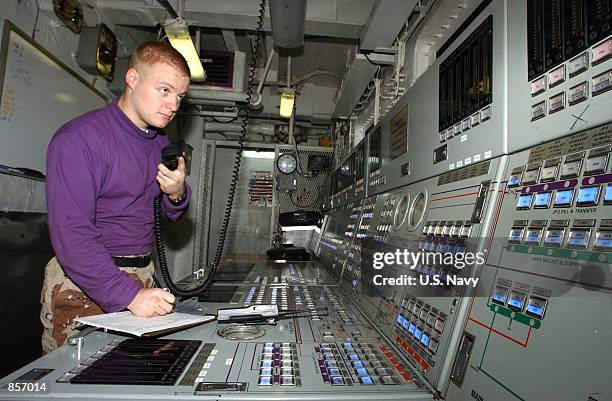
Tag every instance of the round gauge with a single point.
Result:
(401, 210)
(417, 210)
(286, 163)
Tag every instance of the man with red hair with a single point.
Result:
(103, 172)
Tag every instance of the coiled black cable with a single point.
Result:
(198, 288)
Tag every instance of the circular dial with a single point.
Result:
(401, 210)
(286, 163)
(417, 210)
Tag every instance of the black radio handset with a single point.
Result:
(170, 155)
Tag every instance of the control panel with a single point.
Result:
(547, 276)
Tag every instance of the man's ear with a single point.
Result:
(131, 77)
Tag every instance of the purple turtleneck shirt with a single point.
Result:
(101, 181)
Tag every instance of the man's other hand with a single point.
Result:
(151, 302)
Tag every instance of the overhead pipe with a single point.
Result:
(258, 128)
(212, 94)
(287, 19)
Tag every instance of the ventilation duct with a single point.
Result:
(288, 23)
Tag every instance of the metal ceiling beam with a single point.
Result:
(385, 23)
(139, 13)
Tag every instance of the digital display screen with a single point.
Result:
(362, 372)
(542, 199)
(608, 195)
(411, 328)
(564, 197)
(425, 339)
(265, 380)
(400, 319)
(354, 357)
(374, 159)
(334, 372)
(516, 302)
(524, 201)
(357, 364)
(359, 161)
(337, 380)
(534, 309)
(587, 195)
(418, 333)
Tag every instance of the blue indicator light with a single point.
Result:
(536, 310)
(564, 197)
(425, 339)
(499, 298)
(524, 201)
(587, 195)
(517, 303)
(418, 333)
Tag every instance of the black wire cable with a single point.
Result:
(199, 288)
(371, 62)
(36, 19)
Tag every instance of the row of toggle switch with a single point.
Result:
(584, 196)
(595, 163)
(577, 237)
(279, 365)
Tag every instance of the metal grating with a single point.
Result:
(309, 191)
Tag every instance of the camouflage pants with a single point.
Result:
(62, 301)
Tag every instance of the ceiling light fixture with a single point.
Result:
(287, 100)
(177, 32)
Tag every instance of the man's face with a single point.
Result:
(157, 94)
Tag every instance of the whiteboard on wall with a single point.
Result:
(39, 94)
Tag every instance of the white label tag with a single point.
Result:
(459, 164)
(214, 352)
(210, 358)
(468, 160)
(228, 361)
(602, 51)
(206, 365)
(556, 76)
(537, 86)
(487, 154)
(477, 158)
(463, 138)
(451, 166)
